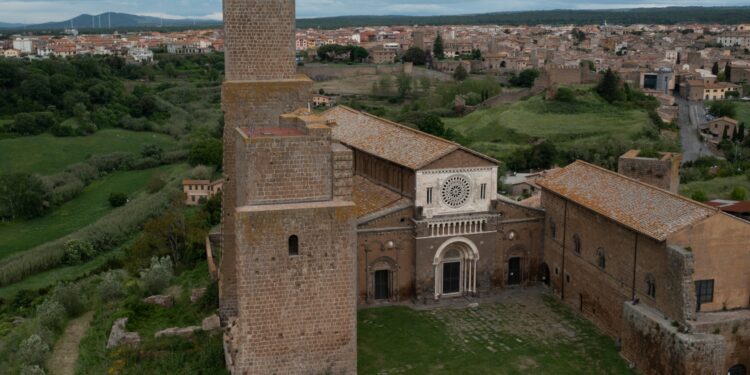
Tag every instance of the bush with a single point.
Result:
(699, 196)
(157, 277)
(155, 183)
(117, 199)
(565, 95)
(206, 151)
(33, 351)
(201, 172)
(69, 296)
(739, 194)
(84, 171)
(112, 162)
(77, 251)
(111, 288)
(722, 108)
(51, 314)
(210, 300)
(32, 370)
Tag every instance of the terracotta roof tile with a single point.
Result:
(370, 197)
(391, 141)
(646, 209)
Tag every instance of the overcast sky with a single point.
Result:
(36, 11)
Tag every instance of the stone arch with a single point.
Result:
(516, 265)
(738, 369)
(455, 265)
(385, 264)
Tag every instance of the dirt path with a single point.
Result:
(65, 353)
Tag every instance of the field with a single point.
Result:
(743, 112)
(85, 209)
(587, 122)
(717, 188)
(527, 331)
(47, 154)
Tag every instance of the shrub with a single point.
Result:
(112, 162)
(210, 300)
(69, 296)
(699, 196)
(32, 370)
(111, 288)
(206, 151)
(157, 277)
(155, 183)
(201, 172)
(565, 95)
(51, 314)
(117, 199)
(84, 171)
(33, 351)
(739, 194)
(77, 251)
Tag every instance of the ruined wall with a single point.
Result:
(663, 173)
(321, 72)
(656, 347)
(734, 326)
(297, 313)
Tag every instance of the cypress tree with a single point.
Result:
(437, 47)
(609, 86)
(728, 73)
(715, 69)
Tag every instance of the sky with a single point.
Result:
(38, 11)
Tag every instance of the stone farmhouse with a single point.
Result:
(196, 191)
(325, 212)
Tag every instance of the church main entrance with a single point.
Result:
(451, 277)
(456, 268)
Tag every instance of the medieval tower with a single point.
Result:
(287, 274)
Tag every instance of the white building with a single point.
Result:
(141, 55)
(25, 45)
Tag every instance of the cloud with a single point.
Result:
(36, 11)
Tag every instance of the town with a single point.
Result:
(265, 198)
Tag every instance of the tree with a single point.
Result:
(699, 196)
(206, 151)
(460, 73)
(715, 69)
(476, 54)
(416, 56)
(358, 54)
(23, 196)
(609, 87)
(117, 199)
(437, 48)
(722, 109)
(739, 194)
(525, 79)
(431, 124)
(404, 85)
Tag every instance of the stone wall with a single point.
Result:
(656, 347)
(297, 313)
(259, 40)
(662, 172)
(325, 72)
(285, 169)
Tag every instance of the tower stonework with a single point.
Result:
(287, 275)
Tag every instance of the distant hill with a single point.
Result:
(114, 21)
(4, 25)
(670, 15)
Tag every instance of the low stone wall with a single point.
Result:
(656, 347)
(325, 72)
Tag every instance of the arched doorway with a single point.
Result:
(514, 271)
(382, 283)
(456, 268)
(737, 370)
(544, 273)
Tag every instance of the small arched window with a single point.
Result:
(737, 370)
(577, 244)
(601, 258)
(293, 245)
(651, 286)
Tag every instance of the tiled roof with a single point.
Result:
(369, 197)
(391, 141)
(651, 211)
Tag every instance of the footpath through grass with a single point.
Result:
(85, 209)
(528, 333)
(46, 154)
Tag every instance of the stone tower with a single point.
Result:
(287, 275)
(662, 172)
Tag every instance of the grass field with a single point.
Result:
(589, 121)
(85, 209)
(531, 334)
(47, 154)
(743, 112)
(717, 188)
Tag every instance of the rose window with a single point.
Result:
(456, 191)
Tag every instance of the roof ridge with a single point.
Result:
(457, 145)
(652, 187)
(397, 124)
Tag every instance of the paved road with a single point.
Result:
(692, 114)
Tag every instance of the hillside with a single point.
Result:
(112, 20)
(669, 16)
